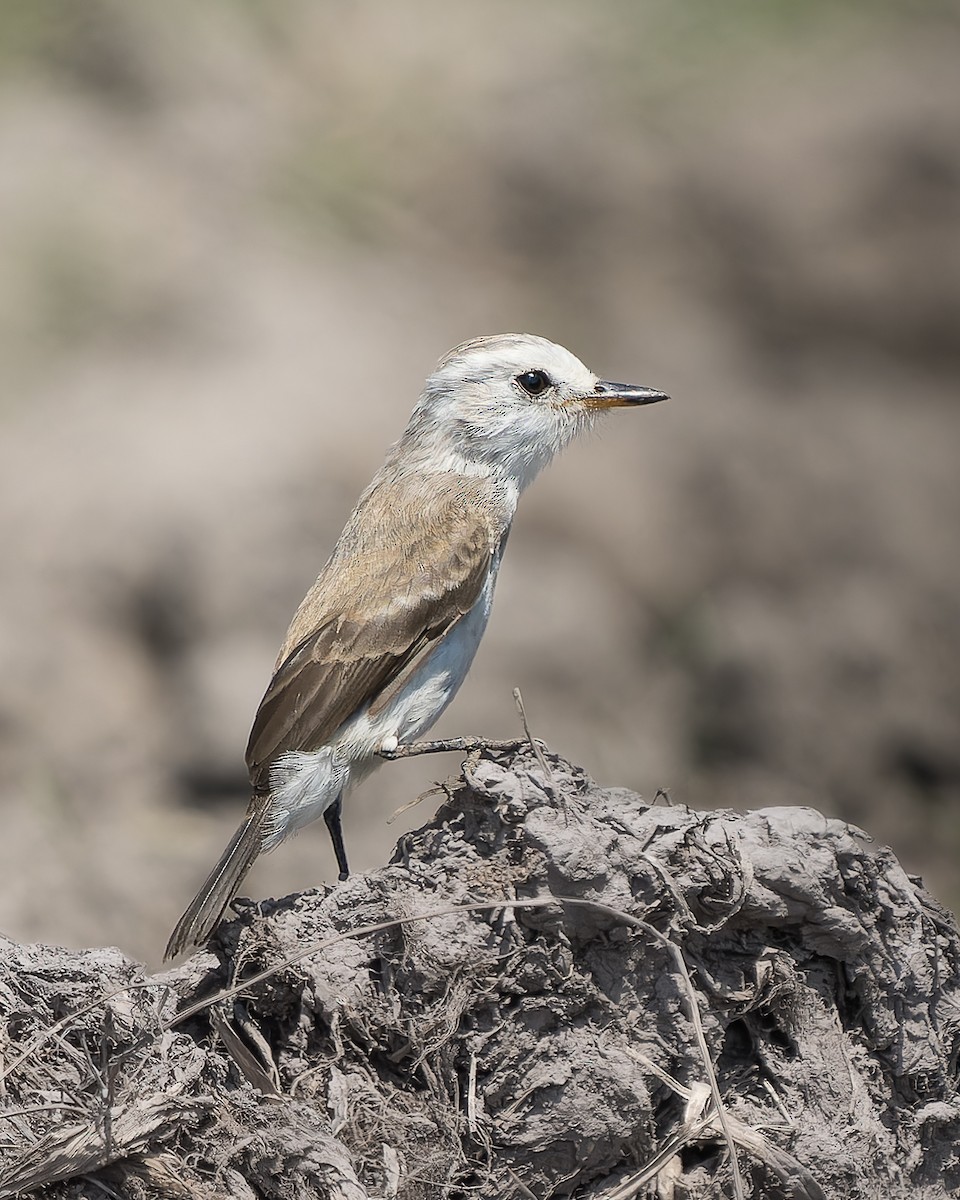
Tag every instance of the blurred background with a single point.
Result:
(235, 238)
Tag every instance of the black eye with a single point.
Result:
(534, 383)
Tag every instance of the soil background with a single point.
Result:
(236, 238)
(448, 1026)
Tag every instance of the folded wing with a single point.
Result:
(372, 613)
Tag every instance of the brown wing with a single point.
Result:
(392, 607)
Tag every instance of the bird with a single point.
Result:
(386, 635)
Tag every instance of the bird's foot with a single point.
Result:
(468, 745)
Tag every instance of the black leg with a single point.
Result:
(332, 818)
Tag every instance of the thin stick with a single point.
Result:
(534, 745)
(472, 1096)
(524, 1190)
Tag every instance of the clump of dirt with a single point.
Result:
(546, 992)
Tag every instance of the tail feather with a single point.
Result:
(207, 907)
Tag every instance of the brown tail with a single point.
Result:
(207, 907)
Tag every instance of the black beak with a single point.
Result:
(622, 395)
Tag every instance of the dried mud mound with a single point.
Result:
(525, 1046)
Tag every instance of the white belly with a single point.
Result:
(305, 783)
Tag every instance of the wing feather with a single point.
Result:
(369, 616)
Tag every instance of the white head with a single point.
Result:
(507, 404)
